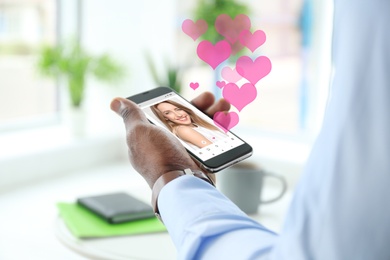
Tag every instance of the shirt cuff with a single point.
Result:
(194, 211)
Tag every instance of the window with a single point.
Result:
(25, 97)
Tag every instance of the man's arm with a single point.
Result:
(202, 222)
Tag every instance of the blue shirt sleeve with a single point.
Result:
(204, 224)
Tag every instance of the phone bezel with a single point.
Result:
(216, 163)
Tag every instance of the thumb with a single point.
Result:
(128, 110)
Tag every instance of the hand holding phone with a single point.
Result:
(214, 148)
(152, 151)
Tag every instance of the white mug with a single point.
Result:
(243, 184)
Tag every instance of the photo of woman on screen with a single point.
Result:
(186, 125)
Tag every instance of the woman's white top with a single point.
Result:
(211, 135)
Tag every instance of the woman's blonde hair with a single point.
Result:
(171, 125)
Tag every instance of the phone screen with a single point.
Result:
(210, 144)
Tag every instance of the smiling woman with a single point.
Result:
(186, 125)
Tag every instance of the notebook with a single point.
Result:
(83, 223)
(117, 207)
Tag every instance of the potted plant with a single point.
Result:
(70, 62)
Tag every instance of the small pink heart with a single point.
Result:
(194, 85)
(221, 84)
(213, 55)
(253, 71)
(239, 97)
(226, 120)
(252, 41)
(194, 30)
(230, 75)
(230, 28)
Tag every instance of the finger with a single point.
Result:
(129, 111)
(203, 101)
(220, 105)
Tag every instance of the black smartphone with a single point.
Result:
(212, 146)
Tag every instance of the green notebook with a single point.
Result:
(85, 224)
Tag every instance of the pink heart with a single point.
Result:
(221, 84)
(239, 97)
(231, 29)
(194, 30)
(226, 120)
(213, 55)
(252, 41)
(236, 47)
(253, 71)
(194, 85)
(230, 75)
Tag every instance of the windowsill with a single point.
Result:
(47, 152)
(53, 151)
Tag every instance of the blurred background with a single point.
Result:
(123, 47)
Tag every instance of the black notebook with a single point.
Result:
(117, 207)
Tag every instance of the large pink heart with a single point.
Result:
(231, 29)
(239, 97)
(252, 41)
(226, 120)
(230, 75)
(214, 55)
(194, 30)
(253, 71)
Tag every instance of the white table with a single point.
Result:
(31, 208)
(157, 246)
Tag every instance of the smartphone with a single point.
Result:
(213, 147)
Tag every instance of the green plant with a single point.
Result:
(71, 62)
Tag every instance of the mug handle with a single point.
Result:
(284, 187)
